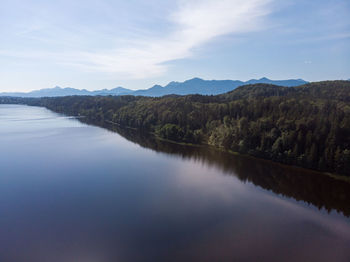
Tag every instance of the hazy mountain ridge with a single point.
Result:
(68, 91)
(191, 86)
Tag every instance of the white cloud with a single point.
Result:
(195, 23)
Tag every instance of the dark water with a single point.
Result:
(73, 192)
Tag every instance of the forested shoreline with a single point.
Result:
(307, 126)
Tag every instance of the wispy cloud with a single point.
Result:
(194, 22)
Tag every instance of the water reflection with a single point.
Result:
(74, 192)
(312, 187)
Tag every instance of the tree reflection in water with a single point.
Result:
(320, 190)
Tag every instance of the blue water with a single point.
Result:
(74, 192)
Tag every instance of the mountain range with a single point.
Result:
(192, 86)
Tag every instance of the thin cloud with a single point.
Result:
(195, 22)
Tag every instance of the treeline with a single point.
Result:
(307, 126)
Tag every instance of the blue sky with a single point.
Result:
(97, 44)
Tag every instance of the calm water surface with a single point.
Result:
(72, 192)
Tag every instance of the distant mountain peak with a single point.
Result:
(173, 83)
(264, 79)
(118, 88)
(157, 86)
(195, 79)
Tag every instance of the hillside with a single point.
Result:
(307, 126)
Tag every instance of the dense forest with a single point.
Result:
(307, 126)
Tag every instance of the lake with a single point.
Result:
(71, 192)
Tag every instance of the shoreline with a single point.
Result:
(203, 145)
